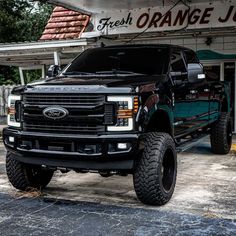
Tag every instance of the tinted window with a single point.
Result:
(144, 60)
(191, 57)
(177, 62)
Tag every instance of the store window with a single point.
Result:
(212, 72)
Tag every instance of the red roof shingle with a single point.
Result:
(65, 24)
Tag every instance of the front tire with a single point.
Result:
(221, 135)
(26, 177)
(155, 173)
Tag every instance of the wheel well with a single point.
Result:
(160, 122)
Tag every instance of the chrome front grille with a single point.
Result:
(64, 99)
(88, 114)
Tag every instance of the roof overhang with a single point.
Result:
(40, 53)
(98, 6)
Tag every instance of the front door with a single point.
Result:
(191, 106)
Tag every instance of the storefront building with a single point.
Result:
(208, 27)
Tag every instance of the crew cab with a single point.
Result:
(124, 109)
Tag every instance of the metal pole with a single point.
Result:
(56, 59)
(222, 71)
(21, 76)
(43, 71)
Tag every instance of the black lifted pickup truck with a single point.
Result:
(116, 110)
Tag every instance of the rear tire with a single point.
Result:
(221, 135)
(155, 173)
(26, 177)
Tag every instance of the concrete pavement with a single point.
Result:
(204, 202)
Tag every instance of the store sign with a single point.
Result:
(156, 19)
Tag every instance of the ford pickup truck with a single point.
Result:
(124, 109)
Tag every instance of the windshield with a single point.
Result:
(123, 60)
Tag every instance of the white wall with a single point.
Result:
(222, 44)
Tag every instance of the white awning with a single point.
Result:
(40, 53)
(98, 6)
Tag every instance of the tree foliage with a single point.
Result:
(34, 20)
(20, 21)
(11, 12)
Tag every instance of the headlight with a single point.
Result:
(11, 117)
(127, 107)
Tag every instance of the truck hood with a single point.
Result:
(88, 84)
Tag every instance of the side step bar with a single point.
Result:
(189, 143)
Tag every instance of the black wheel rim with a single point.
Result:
(168, 170)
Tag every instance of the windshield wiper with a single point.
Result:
(76, 73)
(99, 73)
(115, 72)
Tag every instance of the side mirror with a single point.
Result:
(53, 71)
(195, 73)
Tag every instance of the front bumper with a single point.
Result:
(81, 152)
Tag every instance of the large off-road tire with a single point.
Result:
(221, 135)
(155, 173)
(26, 177)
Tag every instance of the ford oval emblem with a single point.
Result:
(55, 113)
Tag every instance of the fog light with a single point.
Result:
(122, 146)
(11, 139)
